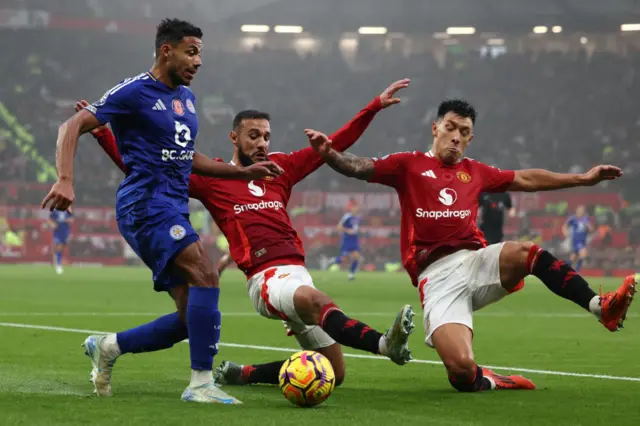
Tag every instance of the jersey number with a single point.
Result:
(183, 134)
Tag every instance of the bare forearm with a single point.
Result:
(349, 165)
(66, 147)
(543, 180)
(204, 166)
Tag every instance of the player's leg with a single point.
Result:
(573, 257)
(582, 256)
(59, 245)
(447, 294)
(311, 338)
(355, 263)
(308, 305)
(161, 333)
(517, 260)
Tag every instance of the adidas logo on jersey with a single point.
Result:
(159, 106)
(429, 173)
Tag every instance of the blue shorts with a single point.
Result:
(349, 248)
(60, 239)
(576, 246)
(158, 236)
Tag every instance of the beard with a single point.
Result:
(245, 160)
(176, 80)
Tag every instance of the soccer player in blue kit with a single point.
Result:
(350, 246)
(60, 221)
(578, 228)
(155, 124)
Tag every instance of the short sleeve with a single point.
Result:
(389, 169)
(121, 99)
(494, 179)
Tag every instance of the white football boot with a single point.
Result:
(396, 339)
(208, 393)
(102, 360)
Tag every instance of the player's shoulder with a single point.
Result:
(473, 164)
(403, 155)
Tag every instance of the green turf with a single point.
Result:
(44, 375)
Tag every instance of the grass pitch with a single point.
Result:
(44, 374)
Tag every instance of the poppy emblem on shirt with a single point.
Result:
(463, 177)
(178, 108)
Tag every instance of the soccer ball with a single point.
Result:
(307, 378)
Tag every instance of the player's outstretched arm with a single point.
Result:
(342, 162)
(61, 195)
(532, 180)
(205, 166)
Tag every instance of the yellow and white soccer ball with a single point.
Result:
(307, 378)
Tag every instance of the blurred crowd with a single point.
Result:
(564, 112)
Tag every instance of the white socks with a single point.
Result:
(382, 346)
(594, 306)
(110, 345)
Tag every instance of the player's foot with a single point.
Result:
(59, 270)
(396, 339)
(229, 373)
(208, 393)
(102, 361)
(507, 382)
(614, 305)
(351, 277)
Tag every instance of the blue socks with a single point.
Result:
(203, 323)
(579, 264)
(354, 266)
(58, 258)
(202, 329)
(161, 333)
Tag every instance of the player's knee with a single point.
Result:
(309, 303)
(459, 366)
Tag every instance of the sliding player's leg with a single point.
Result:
(309, 338)
(287, 292)
(450, 290)
(517, 260)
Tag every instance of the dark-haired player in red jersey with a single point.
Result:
(446, 255)
(253, 217)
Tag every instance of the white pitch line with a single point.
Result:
(361, 356)
(496, 314)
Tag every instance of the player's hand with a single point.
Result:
(319, 141)
(600, 173)
(387, 97)
(80, 105)
(263, 169)
(60, 197)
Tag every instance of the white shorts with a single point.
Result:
(271, 292)
(453, 287)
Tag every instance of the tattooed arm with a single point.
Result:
(387, 170)
(349, 164)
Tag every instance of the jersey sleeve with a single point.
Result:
(198, 184)
(390, 169)
(107, 141)
(305, 161)
(494, 179)
(120, 100)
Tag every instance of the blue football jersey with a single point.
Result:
(578, 227)
(155, 127)
(60, 219)
(351, 223)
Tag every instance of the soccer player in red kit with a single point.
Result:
(253, 217)
(445, 254)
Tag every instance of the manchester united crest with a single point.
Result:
(463, 177)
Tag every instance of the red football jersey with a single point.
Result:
(439, 203)
(252, 214)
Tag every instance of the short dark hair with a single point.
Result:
(249, 114)
(459, 107)
(173, 31)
